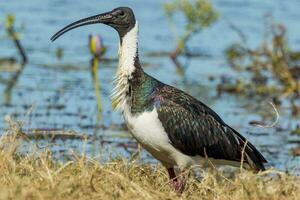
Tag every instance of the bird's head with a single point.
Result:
(121, 19)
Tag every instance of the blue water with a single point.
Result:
(65, 98)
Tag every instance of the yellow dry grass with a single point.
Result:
(39, 176)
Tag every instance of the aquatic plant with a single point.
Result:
(198, 15)
(96, 45)
(59, 53)
(272, 58)
(97, 49)
(11, 63)
(297, 130)
(273, 68)
(14, 36)
(97, 88)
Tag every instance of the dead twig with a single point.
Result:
(261, 125)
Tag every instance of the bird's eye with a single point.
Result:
(121, 13)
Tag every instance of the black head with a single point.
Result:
(122, 19)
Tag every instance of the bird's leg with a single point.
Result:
(177, 184)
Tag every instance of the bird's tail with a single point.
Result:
(251, 155)
(254, 159)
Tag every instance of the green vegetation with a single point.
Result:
(97, 88)
(296, 131)
(198, 15)
(14, 36)
(97, 50)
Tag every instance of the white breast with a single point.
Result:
(147, 129)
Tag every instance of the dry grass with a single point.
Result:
(39, 176)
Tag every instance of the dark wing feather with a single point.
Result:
(195, 129)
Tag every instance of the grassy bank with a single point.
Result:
(39, 176)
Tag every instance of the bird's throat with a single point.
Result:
(128, 56)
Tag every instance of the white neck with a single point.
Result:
(127, 53)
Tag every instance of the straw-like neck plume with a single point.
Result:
(128, 64)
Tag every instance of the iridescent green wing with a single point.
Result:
(195, 129)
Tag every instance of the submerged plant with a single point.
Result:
(198, 15)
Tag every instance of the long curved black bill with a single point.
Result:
(102, 18)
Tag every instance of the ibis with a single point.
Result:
(174, 127)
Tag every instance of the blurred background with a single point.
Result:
(234, 55)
